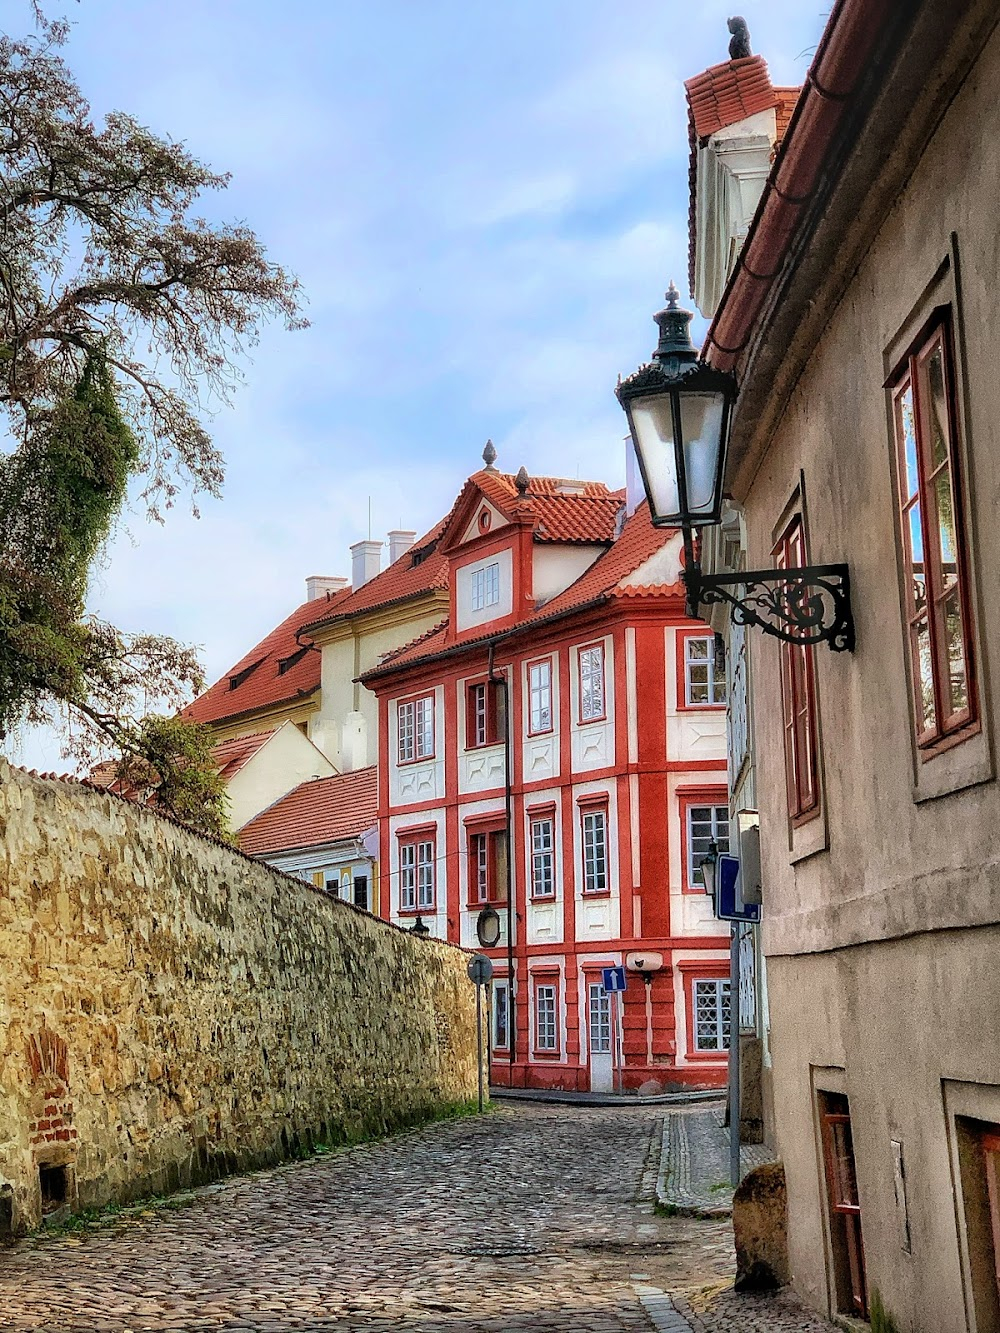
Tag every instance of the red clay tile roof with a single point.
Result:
(232, 755)
(404, 578)
(722, 96)
(566, 511)
(317, 812)
(259, 680)
(638, 541)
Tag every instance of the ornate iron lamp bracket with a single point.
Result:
(804, 606)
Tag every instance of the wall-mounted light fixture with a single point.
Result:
(679, 411)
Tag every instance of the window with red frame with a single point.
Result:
(798, 699)
(592, 683)
(936, 585)
(541, 831)
(546, 1017)
(484, 723)
(488, 867)
(415, 729)
(416, 874)
(594, 827)
(844, 1204)
(540, 696)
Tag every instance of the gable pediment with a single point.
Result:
(485, 518)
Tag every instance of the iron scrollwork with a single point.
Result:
(805, 606)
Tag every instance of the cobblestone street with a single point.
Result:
(534, 1218)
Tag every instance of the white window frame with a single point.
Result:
(715, 682)
(542, 844)
(415, 729)
(540, 697)
(416, 874)
(485, 589)
(594, 833)
(479, 867)
(547, 1022)
(501, 1033)
(478, 701)
(599, 1006)
(592, 692)
(719, 816)
(716, 989)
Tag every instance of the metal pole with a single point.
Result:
(734, 1055)
(479, 1042)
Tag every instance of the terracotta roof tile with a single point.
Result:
(232, 755)
(722, 96)
(567, 511)
(320, 811)
(257, 680)
(404, 578)
(637, 542)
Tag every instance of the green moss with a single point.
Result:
(881, 1320)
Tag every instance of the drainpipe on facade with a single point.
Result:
(500, 680)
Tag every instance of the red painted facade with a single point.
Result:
(595, 850)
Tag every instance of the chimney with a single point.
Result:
(366, 557)
(323, 585)
(399, 543)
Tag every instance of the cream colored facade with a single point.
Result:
(284, 760)
(882, 916)
(345, 727)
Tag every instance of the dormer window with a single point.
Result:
(236, 680)
(486, 587)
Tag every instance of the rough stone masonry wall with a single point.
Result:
(170, 1010)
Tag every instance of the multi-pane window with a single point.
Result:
(798, 698)
(595, 851)
(704, 673)
(485, 587)
(936, 593)
(540, 696)
(712, 1012)
(501, 1015)
(542, 842)
(416, 874)
(591, 682)
(546, 1032)
(600, 1019)
(415, 729)
(845, 1205)
(479, 867)
(484, 713)
(705, 824)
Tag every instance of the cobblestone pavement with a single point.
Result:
(694, 1166)
(535, 1219)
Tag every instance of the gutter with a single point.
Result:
(843, 63)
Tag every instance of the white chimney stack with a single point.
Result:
(323, 585)
(366, 558)
(400, 542)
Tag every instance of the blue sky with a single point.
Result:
(484, 202)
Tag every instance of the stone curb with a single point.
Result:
(662, 1312)
(684, 1182)
(556, 1097)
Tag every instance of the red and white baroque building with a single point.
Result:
(568, 612)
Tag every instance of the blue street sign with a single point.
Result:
(614, 979)
(729, 904)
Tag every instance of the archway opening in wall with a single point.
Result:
(54, 1184)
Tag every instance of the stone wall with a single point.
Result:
(171, 1010)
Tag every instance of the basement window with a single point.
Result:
(54, 1187)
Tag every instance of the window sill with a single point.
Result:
(591, 721)
(417, 911)
(546, 1055)
(701, 708)
(421, 759)
(543, 898)
(591, 895)
(718, 1056)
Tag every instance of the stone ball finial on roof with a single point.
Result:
(739, 44)
(489, 454)
(521, 480)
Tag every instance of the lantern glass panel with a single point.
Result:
(653, 433)
(702, 421)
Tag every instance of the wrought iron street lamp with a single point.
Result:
(679, 410)
(420, 927)
(708, 865)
